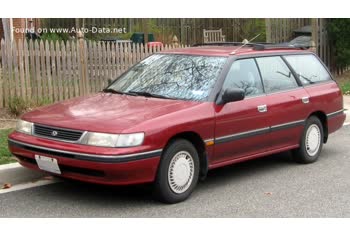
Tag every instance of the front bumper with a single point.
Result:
(111, 169)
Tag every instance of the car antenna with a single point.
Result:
(245, 42)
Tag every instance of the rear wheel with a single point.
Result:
(178, 172)
(311, 142)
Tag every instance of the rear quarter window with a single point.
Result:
(308, 68)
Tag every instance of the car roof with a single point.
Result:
(226, 51)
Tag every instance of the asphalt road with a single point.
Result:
(274, 186)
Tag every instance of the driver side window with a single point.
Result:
(244, 74)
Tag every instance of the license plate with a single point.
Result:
(48, 164)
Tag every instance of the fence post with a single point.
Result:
(175, 42)
(314, 25)
(2, 73)
(268, 29)
(83, 63)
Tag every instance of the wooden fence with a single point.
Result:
(54, 71)
(281, 29)
(188, 30)
(324, 46)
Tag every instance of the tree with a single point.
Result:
(339, 33)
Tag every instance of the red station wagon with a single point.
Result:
(177, 114)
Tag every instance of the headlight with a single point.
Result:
(130, 140)
(113, 140)
(24, 127)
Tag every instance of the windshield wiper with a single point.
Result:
(111, 90)
(147, 94)
(307, 79)
(284, 74)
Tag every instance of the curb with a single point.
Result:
(20, 178)
(9, 119)
(9, 166)
(23, 186)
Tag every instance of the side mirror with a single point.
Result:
(232, 95)
(109, 81)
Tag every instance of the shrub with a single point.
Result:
(339, 32)
(55, 36)
(17, 106)
(345, 88)
(42, 102)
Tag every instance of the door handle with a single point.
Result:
(305, 100)
(262, 108)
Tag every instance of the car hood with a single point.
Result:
(105, 112)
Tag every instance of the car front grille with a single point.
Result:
(57, 133)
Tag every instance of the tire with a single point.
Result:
(311, 142)
(178, 172)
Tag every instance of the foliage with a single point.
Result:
(55, 36)
(18, 105)
(152, 27)
(41, 102)
(250, 28)
(339, 32)
(5, 155)
(345, 88)
(343, 81)
(161, 33)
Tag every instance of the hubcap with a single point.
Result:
(180, 173)
(313, 140)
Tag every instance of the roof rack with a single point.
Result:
(258, 46)
(277, 46)
(252, 44)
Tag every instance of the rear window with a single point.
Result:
(308, 68)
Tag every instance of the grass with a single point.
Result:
(345, 88)
(5, 155)
(344, 82)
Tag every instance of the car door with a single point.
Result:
(324, 92)
(288, 104)
(241, 126)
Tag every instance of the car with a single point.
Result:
(116, 40)
(302, 41)
(180, 113)
(155, 45)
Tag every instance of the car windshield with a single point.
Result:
(171, 76)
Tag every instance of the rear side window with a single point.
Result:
(308, 68)
(244, 74)
(275, 74)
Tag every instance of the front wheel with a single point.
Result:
(311, 142)
(178, 172)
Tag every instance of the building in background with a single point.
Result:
(22, 26)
